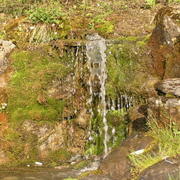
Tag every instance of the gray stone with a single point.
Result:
(169, 86)
(5, 48)
(177, 92)
(172, 102)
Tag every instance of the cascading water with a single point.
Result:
(95, 51)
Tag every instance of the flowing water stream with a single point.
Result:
(95, 51)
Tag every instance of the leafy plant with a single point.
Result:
(46, 15)
(101, 24)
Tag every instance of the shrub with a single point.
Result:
(46, 15)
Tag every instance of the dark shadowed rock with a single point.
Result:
(117, 165)
(164, 170)
(138, 118)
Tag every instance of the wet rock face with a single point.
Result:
(164, 44)
(5, 48)
(169, 86)
(164, 170)
(117, 164)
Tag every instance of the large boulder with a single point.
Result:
(164, 43)
(166, 106)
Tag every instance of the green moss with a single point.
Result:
(12, 135)
(58, 157)
(117, 122)
(22, 149)
(2, 35)
(169, 95)
(121, 77)
(34, 72)
(81, 164)
(115, 117)
(89, 173)
(96, 146)
(128, 76)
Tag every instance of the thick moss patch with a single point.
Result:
(34, 72)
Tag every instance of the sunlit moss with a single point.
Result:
(33, 73)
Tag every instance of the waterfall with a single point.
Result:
(95, 51)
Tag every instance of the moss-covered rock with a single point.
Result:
(34, 71)
(130, 73)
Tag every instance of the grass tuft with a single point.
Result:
(167, 144)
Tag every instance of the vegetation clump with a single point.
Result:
(128, 75)
(21, 148)
(45, 15)
(167, 144)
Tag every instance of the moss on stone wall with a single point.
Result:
(33, 73)
(126, 70)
